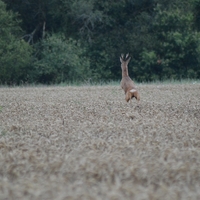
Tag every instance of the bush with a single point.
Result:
(61, 60)
(15, 54)
(175, 48)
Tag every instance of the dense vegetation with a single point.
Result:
(53, 41)
(73, 143)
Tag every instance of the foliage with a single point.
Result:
(15, 54)
(60, 60)
(162, 37)
(175, 50)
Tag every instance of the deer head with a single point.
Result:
(124, 64)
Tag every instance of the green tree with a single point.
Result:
(60, 60)
(37, 17)
(15, 54)
(174, 42)
(162, 37)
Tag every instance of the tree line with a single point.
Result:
(54, 41)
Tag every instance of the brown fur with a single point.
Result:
(126, 83)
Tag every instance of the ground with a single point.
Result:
(86, 142)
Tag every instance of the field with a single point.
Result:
(86, 142)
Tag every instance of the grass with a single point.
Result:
(90, 82)
(116, 82)
(86, 142)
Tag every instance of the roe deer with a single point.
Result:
(126, 83)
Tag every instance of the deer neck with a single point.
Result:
(124, 71)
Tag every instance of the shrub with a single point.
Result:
(61, 60)
(15, 53)
(175, 44)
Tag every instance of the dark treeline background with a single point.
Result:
(53, 41)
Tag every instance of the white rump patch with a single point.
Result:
(133, 90)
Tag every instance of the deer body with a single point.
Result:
(126, 83)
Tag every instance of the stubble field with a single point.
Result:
(87, 143)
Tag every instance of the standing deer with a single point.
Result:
(126, 83)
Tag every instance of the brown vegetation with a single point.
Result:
(87, 143)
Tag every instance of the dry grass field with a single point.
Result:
(86, 142)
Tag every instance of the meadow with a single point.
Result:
(86, 142)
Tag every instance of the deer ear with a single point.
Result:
(128, 60)
(122, 58)
(127, 55)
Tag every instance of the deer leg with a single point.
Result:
(131, 104)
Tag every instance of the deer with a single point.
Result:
(127, 83)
